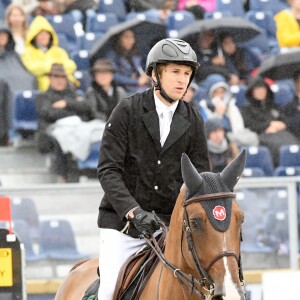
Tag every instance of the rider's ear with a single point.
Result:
(190, 175)
(234, 170)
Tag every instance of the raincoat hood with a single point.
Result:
(227, 94)
(38, 24)
(11, 43)
(259, 82)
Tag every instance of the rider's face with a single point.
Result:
(174, 79)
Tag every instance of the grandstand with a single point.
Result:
(24, 172)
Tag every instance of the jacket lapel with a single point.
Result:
(179, 126)
(150, 119)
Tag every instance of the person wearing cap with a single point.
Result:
(104, 94)
(139, 165)
(221, 151)
(59, 101)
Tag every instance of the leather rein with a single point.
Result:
(205, 282)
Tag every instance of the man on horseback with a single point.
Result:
(139, 165)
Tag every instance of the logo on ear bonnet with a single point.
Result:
(219, 212)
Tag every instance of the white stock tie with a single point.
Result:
(165, 123)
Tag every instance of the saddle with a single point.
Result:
(133, 275)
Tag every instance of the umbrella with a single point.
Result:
(281, 66)
(147, 32)
(241, 29)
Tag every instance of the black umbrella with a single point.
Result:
(147, 33)
(281, 66)
(241, 29)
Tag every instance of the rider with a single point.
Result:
(139, 166)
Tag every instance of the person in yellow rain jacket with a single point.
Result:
(42, 51)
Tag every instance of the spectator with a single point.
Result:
(42, 51)
(157, 9)
(129, 71)
(28, 6)
(103, 94)
(209, 58)
(287, 24)
(263, 116)
(221, 104)
(291, 110)
(16, 20)
(197, 7)
(220, 150)
(240, 62)
(5, 97)
(59, 101)
(12, 69)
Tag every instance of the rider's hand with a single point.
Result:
(145, 222)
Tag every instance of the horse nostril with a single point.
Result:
(217, 297)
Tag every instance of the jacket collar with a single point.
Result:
(179, 122)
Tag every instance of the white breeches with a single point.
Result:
(115, 249)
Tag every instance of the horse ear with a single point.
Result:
(190, 175)
(231, 174)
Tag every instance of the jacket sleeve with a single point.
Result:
(112, 156)
(198, 152)
(92, 102)
(288, 33)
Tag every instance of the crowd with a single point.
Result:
(31, 59)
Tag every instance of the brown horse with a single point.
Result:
(202, 252)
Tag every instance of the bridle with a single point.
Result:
(205, 282)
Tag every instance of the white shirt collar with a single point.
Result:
(160, 106)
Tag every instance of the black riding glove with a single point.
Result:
(145, 222)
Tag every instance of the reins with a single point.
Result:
(187, 279)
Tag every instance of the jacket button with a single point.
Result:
(156, 187)
(109, 124)
(158, 162)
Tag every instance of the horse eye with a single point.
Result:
(195, 223)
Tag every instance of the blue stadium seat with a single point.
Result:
(100, 22)
(25, 116)
(258, 45)
(233, 6)
(217, 14)
(65, 24)
(238, 91)
(260, 157)
(64, 43)
(92, 160)
(81, 58)
(283, 93)
(253, 172)
(24, 209)
(88, 40)
(287, 171)
(113, 6)
(58, 241)
(289, 156)
(178, 20)
(273, 6)
(84, 77)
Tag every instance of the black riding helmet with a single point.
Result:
(170, 51)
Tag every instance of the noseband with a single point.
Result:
(204, 280)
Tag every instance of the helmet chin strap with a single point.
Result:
(157, 86)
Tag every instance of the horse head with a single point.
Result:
(211, 235)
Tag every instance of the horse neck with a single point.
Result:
(173, 241)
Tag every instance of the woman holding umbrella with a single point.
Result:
(128, 63)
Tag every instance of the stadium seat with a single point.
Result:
(273, 6)
(81, 59)
(287, 171)
(283, 93)
(178, 20)
(65, 24)
(58, 241)
(217, 14)
(84, 77)
(233, 6)
(25, 117)
(113, 6)
(88, 40)
(100, 22)
(260, 157)
(21, 229)
(289, 156)
(24, 209)
(92, 160)
(253, 172)
(238, 91)
(64, 43)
